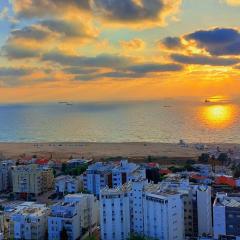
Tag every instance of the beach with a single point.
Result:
(63, 151)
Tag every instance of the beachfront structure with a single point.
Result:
(77, 214)
(89, 210)
(64, 216)
(226, 216)
(6, 175)
(31, 180)
(29, 222)
(68, 184)
(197, 206)
(100, 175)
(141, 208)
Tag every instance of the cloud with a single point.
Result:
(104, 60)
(130, 72)
(69, 29)
(4, 13)
(218, 41)
(172, 42)
(14, 51)
(154, 67)
(31, 32)
(14, 72)
(48, 8)
(233, 2)
(133, 44)
(132, 12)
(204, 60)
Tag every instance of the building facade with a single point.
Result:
(141, 208)
(6, 175)
(29, 222)
(31, 180)
(226, 216)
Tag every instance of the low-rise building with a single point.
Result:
(29, 222)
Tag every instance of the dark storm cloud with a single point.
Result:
(204, 60)
(218, 41)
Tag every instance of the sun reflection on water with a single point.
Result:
(218, 115)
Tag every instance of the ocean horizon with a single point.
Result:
(165, 121)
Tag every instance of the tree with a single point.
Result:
(64, 167)
(63, 234)
(223, 158)
(204, 157)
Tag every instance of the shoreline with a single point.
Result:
(63, 150)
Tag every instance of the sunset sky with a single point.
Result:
(118, 50)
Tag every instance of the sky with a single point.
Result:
(118, 50)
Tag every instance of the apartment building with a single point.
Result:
(100, 175)
(141, 208)
(197, 206)
(226, 216)
(68, 184)
(89, 210)
(6, 175)
(64, 216)
(31, 180)
(29, 222)
(76, 215)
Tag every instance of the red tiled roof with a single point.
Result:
(226, 181)
(42, 161)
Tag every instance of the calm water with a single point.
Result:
(163, 121)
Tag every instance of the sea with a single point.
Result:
(165, 121)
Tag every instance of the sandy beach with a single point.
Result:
(62, 151)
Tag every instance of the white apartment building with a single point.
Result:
(77, 214)
(115, 214)
(97, 176)
(31, 180)
(29, 221)
(6, 175)
(126, 172)
(226, 216)
(141, 208)
(89, 210)
(64, 215)
(100, 175)
(67, 184)
(197, 206)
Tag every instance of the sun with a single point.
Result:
(218, 116)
